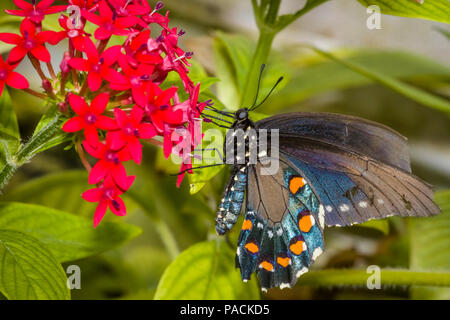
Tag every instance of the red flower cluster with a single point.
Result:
(116, 94)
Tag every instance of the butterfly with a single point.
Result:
(333, 170)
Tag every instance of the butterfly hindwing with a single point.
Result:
(280, 239)
(232, 200)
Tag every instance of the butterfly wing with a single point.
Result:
(354, 188)
(347, 132)
(282, 233)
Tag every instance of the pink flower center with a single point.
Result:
(135, 81)
(29, 44)
(129, 130)
(73, 33)
(111, 156)
(3, 74)
(90, 118)
(97, 68)
(108, 193)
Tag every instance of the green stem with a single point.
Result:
(389, 277)
(28, 150)
(259, 57)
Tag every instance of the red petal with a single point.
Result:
(147, 131)
(95, 19)
(165, 96)
(55, 9)
(41, 53)
(122, 211)
(22, 4)
(46, 36)
(91, 51)
(135, 148)
(17, 54)
(43, 4)
(94, 81)
(98, 105)
(116, 140)
(91, 134)
(106, 123)
(119, 175)
(111, 55)
(2, 86)
(102, 34)
(16, 80)
(100, 213)
(28, 27)
(11, 38)
(105, 11)
(126, 22)
(73, 125)
(98, 172)
(78, 104)
(167, 145)
(121, 117)
(115, 78)
(92, 195)
(80, 64)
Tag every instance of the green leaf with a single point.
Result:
(312, 77)
(9, 128)
(400, 87)
(205, 271)
(67, 236)
(28, 270)
(286, 19)
(430, 240)
(380, 225)
(436, 10)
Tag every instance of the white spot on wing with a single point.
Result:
(321, 216)
(380, 201)
(363, 204)
(302, 271)
(329, 208)
(317, 252)
(344, 207)
(284, 285)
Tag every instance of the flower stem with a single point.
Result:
(389, 277)
(259, 57)
(35, 93)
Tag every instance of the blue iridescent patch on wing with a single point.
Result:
(231, 202)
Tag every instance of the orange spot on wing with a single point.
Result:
(296, 183)
(267, 265)
(305, 223)
(252, 247)
(247, 225)
(283, 261)
(297, 248)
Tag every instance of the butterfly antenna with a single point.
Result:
(259, 84)
(268, 95)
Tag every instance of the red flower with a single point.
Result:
(35, 12)
(108, 22)
(157, 105)
(131, 130)
(11, 78)
(99, 67)
(90, 117)
(127, 8)
(109, 163)
(30, 41)
(107, 195)
(134, 79)
(75, 33)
